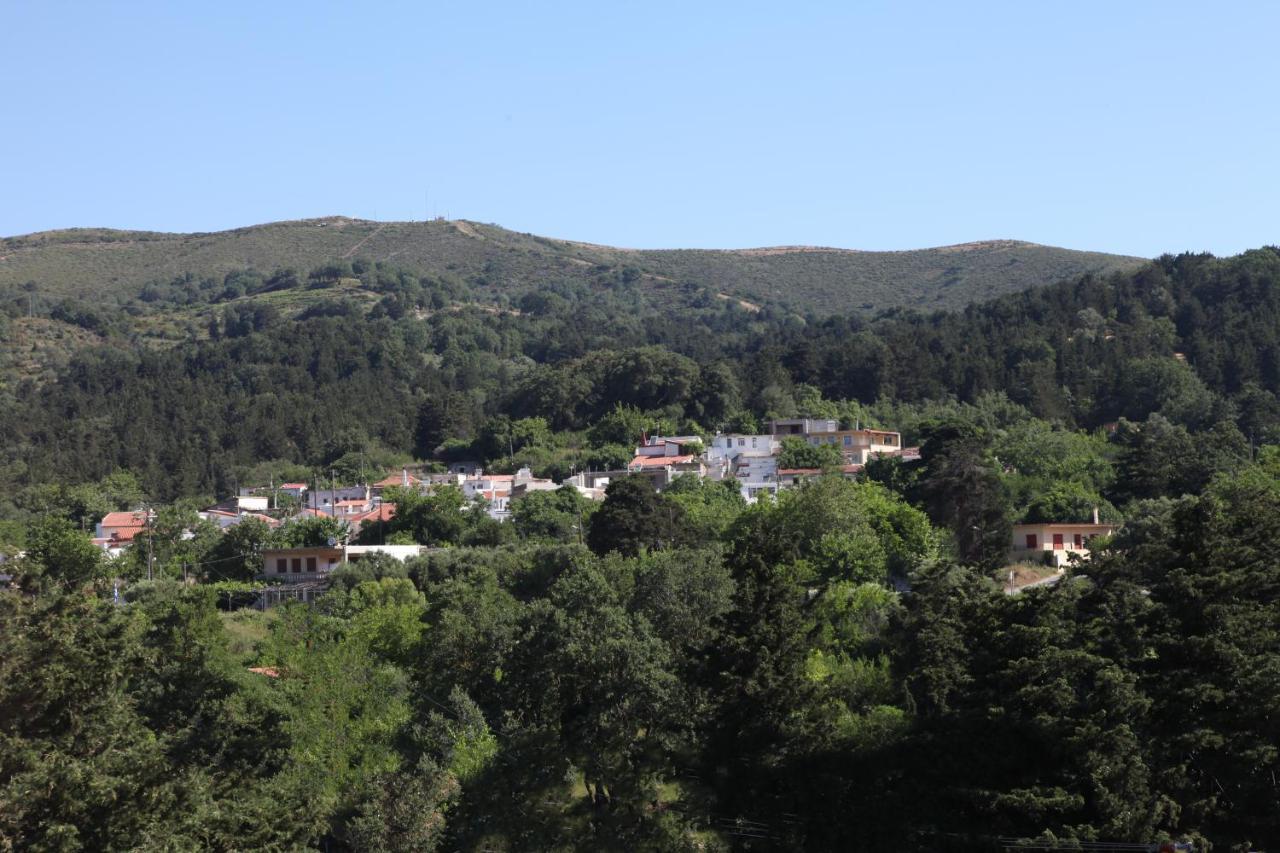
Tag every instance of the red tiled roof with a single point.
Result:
(396, 480)
(125, 519)
(1099, 526)
(799, 471)
(384, 512)
(268, 671)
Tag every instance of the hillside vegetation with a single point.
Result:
(674, 670)
(94, 263)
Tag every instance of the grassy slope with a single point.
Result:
(95, 263)
(35, 348)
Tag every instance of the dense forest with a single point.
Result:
(839, 668)
(415, 368)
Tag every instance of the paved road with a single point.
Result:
(1049, 581)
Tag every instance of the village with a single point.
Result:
(753, 464)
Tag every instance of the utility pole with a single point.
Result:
(150, 548)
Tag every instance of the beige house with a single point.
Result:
(292, 565)
(1060, 540)
(858, 445)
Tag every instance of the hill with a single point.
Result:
(96, 263)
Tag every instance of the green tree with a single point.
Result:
(312, 531)
(562, 515)
(635, 517)
(710, 506)
(1069, 502)
(238, 552)
(59, 556)
(798, 453)
(960, 488)
(439, 517)
(834, 529)
(626, 426)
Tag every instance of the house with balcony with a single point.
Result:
(297, 565)
(858, 445)
(1055, 542)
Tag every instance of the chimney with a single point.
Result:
(1095, 515)
(404, 477)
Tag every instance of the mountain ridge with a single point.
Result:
(101, 262)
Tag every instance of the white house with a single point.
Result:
(731, 445)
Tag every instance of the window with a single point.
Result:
(1057, 541)
(297, 564)
(848, 441)
(742, 442)
(1031, 541)
(753, 441)
(311, 564)
(1079, 541)
(282, 566)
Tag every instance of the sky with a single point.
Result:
(1130, 127)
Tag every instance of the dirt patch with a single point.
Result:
(1024, 574)
(766, 251)
(982, 245)
(465, 228)
(750, 306)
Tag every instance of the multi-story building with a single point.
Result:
(858, 445)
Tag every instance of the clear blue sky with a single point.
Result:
(1136, 127)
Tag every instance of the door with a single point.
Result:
(1057, 541)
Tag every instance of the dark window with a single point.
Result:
(311, 564)
(1057, 541)
(1079, 541)
(297, 564)
(1031, 540)
(282, 566)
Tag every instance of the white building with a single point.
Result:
(732, 445)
